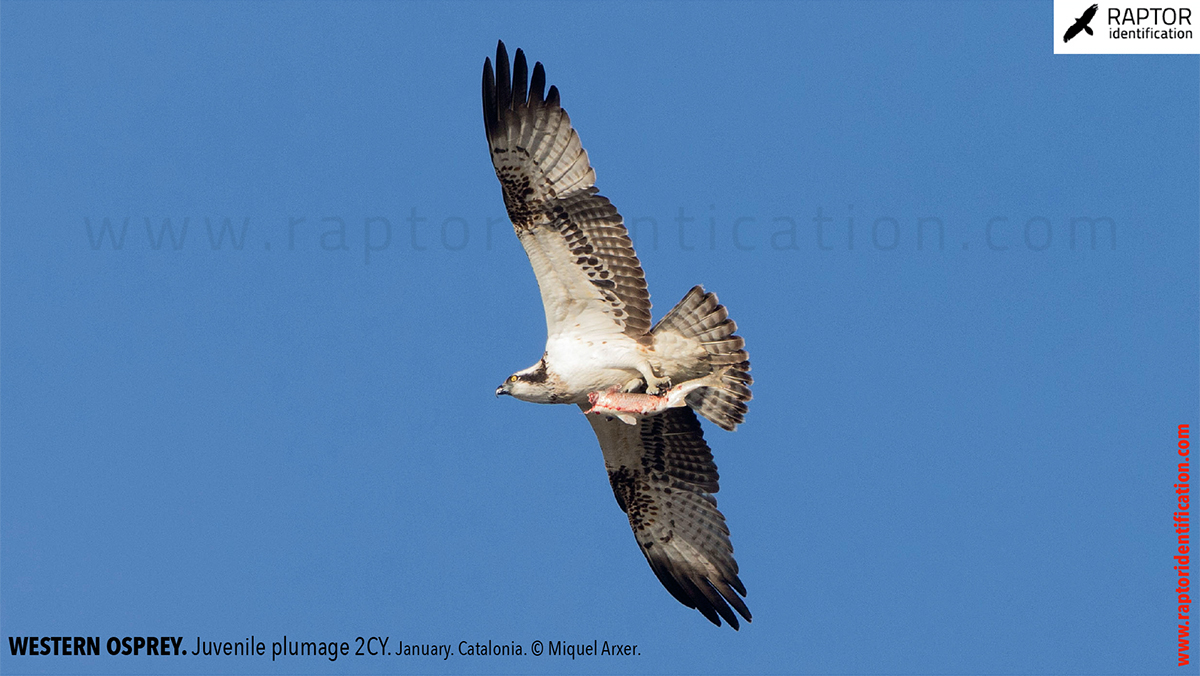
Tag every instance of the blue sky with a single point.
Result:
(959, 455)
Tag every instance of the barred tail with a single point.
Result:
(699, 316)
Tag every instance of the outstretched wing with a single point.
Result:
(663, 476)
(1072, 31)
(588, 274)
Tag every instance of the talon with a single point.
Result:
(658, 385)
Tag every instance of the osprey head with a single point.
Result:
(531, 384)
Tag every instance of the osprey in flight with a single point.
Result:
(641, 386)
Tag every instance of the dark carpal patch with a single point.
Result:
(634, 496)
(622, 482)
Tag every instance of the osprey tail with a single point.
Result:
(699, 316)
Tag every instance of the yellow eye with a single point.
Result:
(512, 379)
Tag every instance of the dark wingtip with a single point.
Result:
(513, 87)
(736, 583)
(520, 79)
(489, 98)
(503, 78)
(537, 88)
(703, 595)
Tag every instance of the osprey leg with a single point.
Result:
(654, 384)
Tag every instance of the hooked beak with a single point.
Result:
(500, 390)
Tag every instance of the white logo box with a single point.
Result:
(1164, 27)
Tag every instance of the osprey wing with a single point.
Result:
(663, 476)
(590, 278)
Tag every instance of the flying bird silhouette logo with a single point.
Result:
(1081, 24)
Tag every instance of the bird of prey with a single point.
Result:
(1081, 24)
(640, 385)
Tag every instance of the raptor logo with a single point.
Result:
(1081, 24)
